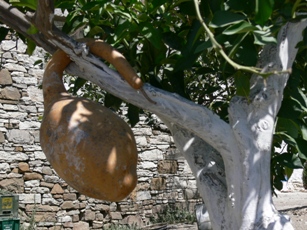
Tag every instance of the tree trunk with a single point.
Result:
(231, 162)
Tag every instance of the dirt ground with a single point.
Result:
(293, 204)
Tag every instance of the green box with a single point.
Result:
(9, 205)
(10, 224)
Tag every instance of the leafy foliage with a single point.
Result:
(173, 215)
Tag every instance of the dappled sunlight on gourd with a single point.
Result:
(88, 145)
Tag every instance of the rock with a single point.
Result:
(30, 198)
(143, 195)
(57, 189)
(10, 93)
(89, 215)
(67, 205)
(15, 67)
(168, 167)
(5, 77)
(35, 94)
(39, 155)
(32, 183)
(4, 168)
(2, 137)
(81, 226)
(116, 216)
(133, 220)
(20, 136)
(32, 176)
(70, 196)
(158, 183)
(15, 185)
(47, 170)
(23, 167)
(29, 125)
(152, 155)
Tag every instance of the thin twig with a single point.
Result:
(220, 50)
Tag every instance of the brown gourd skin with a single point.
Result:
(88, 145)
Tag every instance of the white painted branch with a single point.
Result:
(198, 119)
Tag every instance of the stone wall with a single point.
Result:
(164, 176)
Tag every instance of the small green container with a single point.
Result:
(9, 224)
(9, 206)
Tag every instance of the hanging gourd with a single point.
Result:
(88, 145)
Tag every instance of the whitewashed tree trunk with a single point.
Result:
(231, 162)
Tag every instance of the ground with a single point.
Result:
(293, 204)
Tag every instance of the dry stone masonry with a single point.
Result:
(164, 178)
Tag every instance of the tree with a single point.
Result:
(225, 116)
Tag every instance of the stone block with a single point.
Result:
(81, 226)
(29, 125)
(23, 167)
(30, 198)
(4, 168)
(167, 167)
(32, 176)
(2, 137)
(15, 185)
(143, 195)
(10, 93)
(47, 170)
(133, 220)
(151, 155)
(5, 77)
(15, 67)
(89, 215)
(70, 196)
(57, 189)
(32, 183)
(116, 216)
(158, 183)
(20, 136)
(67, 205)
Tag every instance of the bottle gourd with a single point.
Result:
(88, 145)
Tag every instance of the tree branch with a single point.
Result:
(17, 21)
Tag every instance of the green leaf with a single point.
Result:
(304, 131)
(32, 4)
(288, 172)
(242, 83)
(133, 114)
(152, 34)
(289, 160)
(302, 148)
(32, 30)
(288, 126)
(112, 102)
(3, 32)
(286, 138)
(173, 40)
(78, 84)
(241, 27)
(225, 18)
(263, 39)
(264, 9)
(30, 46)
(203, 46)
(291, 108)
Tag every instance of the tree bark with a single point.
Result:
(231, 162)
